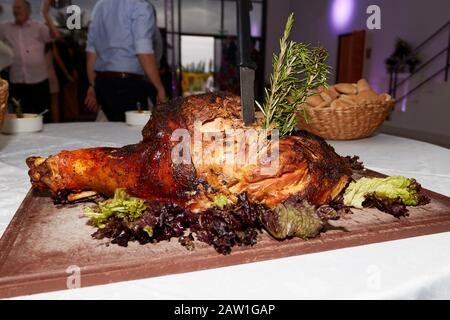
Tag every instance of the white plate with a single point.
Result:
(29, 123)
(136, 118)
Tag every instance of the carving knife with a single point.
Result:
(247, 66)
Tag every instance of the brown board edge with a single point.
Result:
(110, 273)
(113, 272)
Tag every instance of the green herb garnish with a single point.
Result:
(221, 200)
(121, 206)
(18, 108)
(149, 231)
(297, 71)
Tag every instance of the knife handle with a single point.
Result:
(243, 8)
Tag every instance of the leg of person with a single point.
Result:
(135, 91)
(19, 92)
(14, 93)
(152, 93)
(55, 107)
(29, 102)
(119, 95)
(44, 97)
(71, 101)
(106, 91)
(54, 95)
(38, 98)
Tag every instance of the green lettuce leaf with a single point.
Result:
(121, 206)
(288, 221)
(396, 187)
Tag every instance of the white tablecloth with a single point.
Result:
(411, 268)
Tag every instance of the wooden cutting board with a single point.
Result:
(44, 245)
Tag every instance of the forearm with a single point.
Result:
(54, 31)
(91, 58)
(6, 56)
(91, 99)
(60, 62)
(148, 62)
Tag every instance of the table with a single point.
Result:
(407, 269)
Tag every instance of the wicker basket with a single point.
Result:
(3, 99)
(348, 123)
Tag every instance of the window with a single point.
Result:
(206, 41)
(197, 57)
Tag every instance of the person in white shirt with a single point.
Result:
(6, 56)
(27, 39)
(121, 57)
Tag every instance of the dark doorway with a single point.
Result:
(351, 57)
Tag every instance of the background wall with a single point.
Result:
(277, 13)
(7, 15)
(412, 20)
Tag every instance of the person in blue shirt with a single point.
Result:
(121, 58)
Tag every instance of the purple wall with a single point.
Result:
(413, 20)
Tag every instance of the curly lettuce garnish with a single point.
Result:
(287, 221)
(391, 188)
(121, 206)
(299, 219)
(390, 195)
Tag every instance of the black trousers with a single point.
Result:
(34, 98)
(119, 95)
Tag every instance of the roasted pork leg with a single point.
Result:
(306, 167)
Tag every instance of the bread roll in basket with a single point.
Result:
(345, 111)
(3, 99)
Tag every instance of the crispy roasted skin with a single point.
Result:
(308, 166)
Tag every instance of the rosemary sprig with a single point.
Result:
(297, 70)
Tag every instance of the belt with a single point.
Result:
(119, 75)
